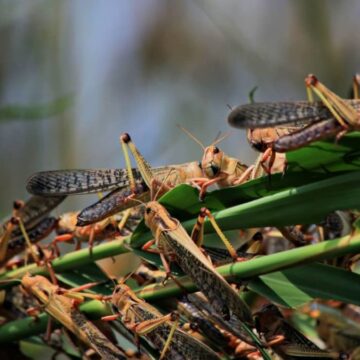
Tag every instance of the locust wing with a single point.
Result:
(70, 182)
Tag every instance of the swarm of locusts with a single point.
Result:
(205, 314)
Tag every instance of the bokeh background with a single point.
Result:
(74, 74)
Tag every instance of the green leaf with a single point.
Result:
(34, 348)
(88, 274)
(327, 156)
(297, 286)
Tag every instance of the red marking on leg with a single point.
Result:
(33, 312)
(148, 245)
(276, 340)
(341, 134)
(91, 240)
(63, 238)
(48, 329)
(110, 317)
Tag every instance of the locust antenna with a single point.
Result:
(229, 106)
(217, 140)
(126, 277)
(139, 201)
(188, 133)
(162, 184)
(217, 136)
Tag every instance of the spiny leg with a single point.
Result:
(143, 166)
(269, 155)
(11, 224)
(27, 240)
(345, 114)
(149, 325)
(356, 84)
(59, 239)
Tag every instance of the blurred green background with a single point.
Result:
(74, 74)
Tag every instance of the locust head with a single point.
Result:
(39, 286)
(157, 218)
(211, 162)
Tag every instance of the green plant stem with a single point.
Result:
(241, 271)
(262, 265)
(71, 260)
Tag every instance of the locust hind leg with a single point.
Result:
(10, 226)
(344, 113)
(144, 167)
(149, 325)
(356, 85)
(197, 233)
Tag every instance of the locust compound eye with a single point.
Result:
(216, 150)
(148, 210)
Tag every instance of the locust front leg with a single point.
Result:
(204, 183)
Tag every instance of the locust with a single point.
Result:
(122, 189)
(284, 339)
(311, 121)
(215, 168)
(338, 331)
(31, 216)
(121, 224)
(62, 309)
(225, 171)
(222, 333)
(173, 241)
(197, 310)
(161, 331)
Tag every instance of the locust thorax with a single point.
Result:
(38, 285)
(67, 222)
(121, 296)
(157, 217)
(261, 139)
(211, 162)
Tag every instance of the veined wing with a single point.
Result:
(193, 262)
(69, 182)
(34, 210)
(112, 203)
(269, 114)
(37, 207)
